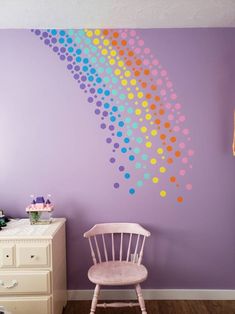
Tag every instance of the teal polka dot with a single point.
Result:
(144, 157)
(138, 165)
(128, 120)
(129, 132)
(139, 140)
(114, 92)
(86, 51)
(93, 60)
(146, 176)
(139, 183)
(122, 96)
(102, 60)
(93, 49)
(101, 70)
(78, 40)
(135, 125)
(114, 80)
(81, 32)
(109, 70)
(106, 79)
(87, 41)
(70, 32)
(136, 150)
(121, 108)
(130, 110)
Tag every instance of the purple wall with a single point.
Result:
(51, 143)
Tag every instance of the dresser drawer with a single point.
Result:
(33, 255)
(27, 305)
(7, 255)
(15, 282)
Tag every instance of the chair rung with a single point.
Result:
(118, 304)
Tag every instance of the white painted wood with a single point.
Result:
(93, 13)
(155, 294)
(7, 255)
(37, 278)
(23, 305)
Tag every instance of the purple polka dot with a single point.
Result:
(70, 58)
(76, 76)
(45, 34)
(69, 66)
(90, 100)
(77, 68)
(111, 127)
(46, 41)
(97, 111)
(62, 49)
(37, 32)
(53, 40)
(103, 126)
(99, 104)
(83, 78)
(55, 49)
(105, 113)
(108, 140)
(112, 160)
(116, 185)
(92, 90)
(121, 168)
(82, 86)
(116, 145)
(62, 57)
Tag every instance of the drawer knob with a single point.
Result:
(32, 256)
(12, 284)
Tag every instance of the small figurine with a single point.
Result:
(40, 211)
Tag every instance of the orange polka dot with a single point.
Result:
(148, 96)
(161, 111)
(144, 84)
(153, 87)
(114, 43)
(157, 121)
(130, 53)
(138, 62)
(167, 125)
(172, 179)
(115, 34)
(177, 153)
(121, 52)
(128, 63)
(123, 42)
(169, 148)
(170, 161)
(180, 199)
(152, 106)
(146, 72)
(105, 32)
(162, 136)
(157, 98)
(173, 139)
(137, 73)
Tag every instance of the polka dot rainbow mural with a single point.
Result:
(135, 103)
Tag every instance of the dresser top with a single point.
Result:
(22, 229)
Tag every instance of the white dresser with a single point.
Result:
(33, 267)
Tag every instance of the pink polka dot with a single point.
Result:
(185, 131)
(165, 98)
(132, 33)
(163, 73)
(182, 145)
(189, 138)
(140, 42)
(185, 160)
(146, 51)
(177, 106)
(131, 41)
(170, 117)
(155, 62)
(190, 152)
(182, 118)
(155, 72)
(176, 128)
(169, 84)
(163, 92)
(137, 50)
(146, 62)
(159, 82)
(190, 166)
(182, 172)
(168, 105)
(173, 96)
(188, 186)
(124, 35)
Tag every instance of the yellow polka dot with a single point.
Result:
(124, 82)
(140, 95)
(121, 64)
(104, 52)
(100, 46)
(106, 42)
(147, 110)
(151, 122)
(148, 116)
(160, 151)
(143, 129)
(130, 95)
(162, 169)
(141, 119)
(113, 53)
(163, 193)
(128, 89)
(127, 73)
(138, 112)
(147, 137)
(133, 82)
(148, 144)
(96, 41)
(89, 34)
(117, 72)
(163, 157)
(145, 104)
(97, 32)
(154, 132)
(112, 61)
(137, 88)
(155, 180)
(136, 102)
(153, 161)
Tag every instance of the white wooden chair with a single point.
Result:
(117, 252)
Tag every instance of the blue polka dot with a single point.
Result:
(123, 150)
(121, 124)
(99, 90)
(78, 59)
(61, 40)
(119, 134)
(98, 80)
(126, 140)
(92, 71)
(85, 60)
(69, 40)
(132, 191)
(78, 51)
(106, 105)
(62, 33)
(107, 93)
(85, 68)
(54, 32)
(70, 49)
(127, 175)
(115, 108)
(131, 157)
(112, 119)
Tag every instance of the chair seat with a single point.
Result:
(117, 273)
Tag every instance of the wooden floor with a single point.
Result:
(159, 307)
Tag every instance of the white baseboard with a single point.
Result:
(155, 294)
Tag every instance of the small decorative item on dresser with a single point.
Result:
(40, 211)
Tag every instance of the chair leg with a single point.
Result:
(95, 299)
(140, 298)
